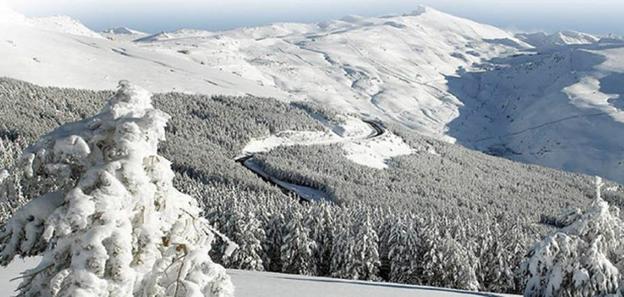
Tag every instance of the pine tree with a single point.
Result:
(273, 243)
(404, 253)
(244, 229)
(104, 215)
(582, 259)
(355, 252)
(297, 247)
(366, 248)
(342, 253)
(321, 224)
(447, 263)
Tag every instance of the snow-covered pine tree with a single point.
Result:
(404, 253)
(320, 222)
(447, 262)
(273, 242)
(105, 217)
(366, 249)
(584, 258)
(11, 196)
(244, 229)
(297, 247)
(341, 263)
(355, 252)
(496, 252)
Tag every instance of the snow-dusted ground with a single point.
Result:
(261, 284)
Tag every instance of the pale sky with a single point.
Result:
(593, 16)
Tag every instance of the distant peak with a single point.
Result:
(154, 37)
(122, 30)
(352, 18)
(421, 9)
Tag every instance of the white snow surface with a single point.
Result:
(267, 284)
(377, 151)
(59, 52)
(354, 136)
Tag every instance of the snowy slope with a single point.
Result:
(558, 107)
(261, 284)
(391, 67)
(59, 52)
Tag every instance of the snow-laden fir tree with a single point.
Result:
(11, 196)
(446, 262)
(341, 264)
(320, 222)
(273, 242)
(366, 249)
(404, 252)
(105, 217)
(297, 247)
(496, 253)
(584, 258)
(244, 229)
(355, 252)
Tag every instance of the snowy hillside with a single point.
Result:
(391, 67)
(560, 107)
(59, 51)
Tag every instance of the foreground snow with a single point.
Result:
(268, 284)
(261, 284)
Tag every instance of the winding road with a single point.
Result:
(304, 193)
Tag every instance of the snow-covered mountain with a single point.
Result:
(392, 67)
(563, 38)
(60, 51)
(123, 34)
(123, 31)
(549, 99)
(559, 107)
